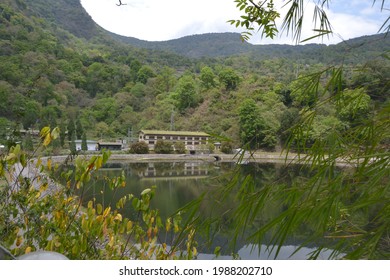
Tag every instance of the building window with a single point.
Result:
(151, 142)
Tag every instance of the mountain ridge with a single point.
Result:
(71, 16)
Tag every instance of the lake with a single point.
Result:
(178, 183)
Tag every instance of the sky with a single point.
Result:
(160, 20)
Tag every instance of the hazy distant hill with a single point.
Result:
(228, 44)
(205, 45)
(71, 16)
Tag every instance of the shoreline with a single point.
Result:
(246, 158)
(257, 157)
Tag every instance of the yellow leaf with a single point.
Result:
(39, 162)
(43, 187)
(107, 211)
(55, 133)
(19, 241)
(90, 204)
(111, 243)
(10, 156)
(99, 219)
(118, 217)
(99, 163)
(28, 250)
(47, 140)
(146, 191)
(44, 132)
(99, 209)
(49, 164)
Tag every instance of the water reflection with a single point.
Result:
(288, 252)
(178, 183)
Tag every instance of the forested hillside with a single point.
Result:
(58, 68)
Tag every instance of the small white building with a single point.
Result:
(91, 145)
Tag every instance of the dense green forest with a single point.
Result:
(58, 68)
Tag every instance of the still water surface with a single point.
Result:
(178, 183)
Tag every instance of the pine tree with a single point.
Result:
(84, 146)
(71, 129)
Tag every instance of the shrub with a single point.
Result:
(226, 147)
(139, 148)
(180, 148)
(163, 147)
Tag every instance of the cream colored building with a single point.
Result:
(192, 140)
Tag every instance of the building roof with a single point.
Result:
(175, 133)
(109, 143)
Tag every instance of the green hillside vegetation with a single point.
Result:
(59, 69)
(55, 70)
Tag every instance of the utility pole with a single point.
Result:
(172, 120)
(130, 134)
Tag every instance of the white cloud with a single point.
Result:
(156, 20)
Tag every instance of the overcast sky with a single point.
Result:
(159, 20)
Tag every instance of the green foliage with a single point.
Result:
(40, 214)
(353, 105)
(79, 129)
(254, 130)
(144, 73)
(305, 90)
(71, 129)
(48, 75)
(259, 16)
(139, 148)
(72, 144)
(84, 145)
(163, 147)
(346, 199)
(186, 94)
(226, 147)
(5, 125)
(179, 147)
(229, 78)
(105, 109)
(207, 77)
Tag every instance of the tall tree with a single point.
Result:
(186, 93)
(253, 128)
(84, 145)
(229, 78)
(207, 77)
(79, 128)
(71, 129)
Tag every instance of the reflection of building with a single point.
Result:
(184, 170)
(191, 140)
